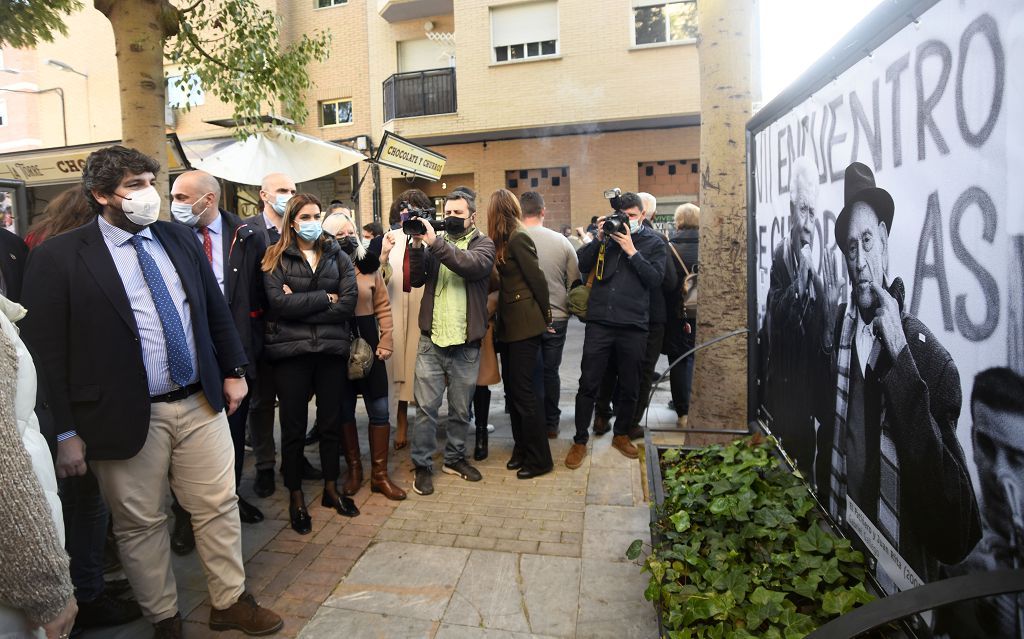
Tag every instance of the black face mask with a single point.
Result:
(347, 244)
(454, 225)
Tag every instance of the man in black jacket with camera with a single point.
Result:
(628, 261)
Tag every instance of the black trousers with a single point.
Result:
(525, 407)
(607, 394)
(682, 374)
(325, 376)
(601, 344)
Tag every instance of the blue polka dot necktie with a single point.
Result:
(178, 357)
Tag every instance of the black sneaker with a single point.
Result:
(106, 611)
(462, 469)
(424, 484)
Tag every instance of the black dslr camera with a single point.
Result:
(414, 220)
(618, 221)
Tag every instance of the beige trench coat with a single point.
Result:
(405, 311)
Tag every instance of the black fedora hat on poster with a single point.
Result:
(860, 187)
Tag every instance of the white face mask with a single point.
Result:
(143, 206)
(184, 213)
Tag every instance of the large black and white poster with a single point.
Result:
(889, 250)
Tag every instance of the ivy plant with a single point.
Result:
(742, 552)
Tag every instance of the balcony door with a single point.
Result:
(422, 55)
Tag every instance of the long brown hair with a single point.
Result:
(272, 258)
(66, 212)
(503, 218)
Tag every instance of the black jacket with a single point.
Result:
(685, 243)
(82, 331)
(244, 247)
(305, 321)
(13, 254)
(622, 297)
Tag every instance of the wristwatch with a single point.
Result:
(237, 372)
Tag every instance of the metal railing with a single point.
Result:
(430, 92)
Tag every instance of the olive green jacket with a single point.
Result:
(523, 306)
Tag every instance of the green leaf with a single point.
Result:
(634, 549)
(681, 520)
(815, 540)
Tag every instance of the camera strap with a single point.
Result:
(599, 269)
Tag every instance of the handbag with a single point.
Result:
(689, 294)
(360, 356)
(579, 296)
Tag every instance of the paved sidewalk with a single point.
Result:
(501, 558)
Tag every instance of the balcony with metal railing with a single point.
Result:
(418, 93)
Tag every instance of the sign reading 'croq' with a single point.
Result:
(399, 153)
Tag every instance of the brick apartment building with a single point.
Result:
(564, 97)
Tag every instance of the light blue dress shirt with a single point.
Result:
(151, 332)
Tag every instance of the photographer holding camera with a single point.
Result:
(455, 270)
(628, 261)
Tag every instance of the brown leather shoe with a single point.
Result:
(576, 455)
(169, 628)
(246, 615)
(622, 444)
(350, 446)
(379, 480)
(601, 425)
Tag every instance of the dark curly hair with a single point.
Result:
(416, 199)
(104, 170)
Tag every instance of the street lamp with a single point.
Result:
(64, 66)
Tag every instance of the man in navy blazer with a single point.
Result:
(128, 322)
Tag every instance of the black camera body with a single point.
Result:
(618, 221)
(414, 220)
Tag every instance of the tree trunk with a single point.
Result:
(720, 379)
(139, 42)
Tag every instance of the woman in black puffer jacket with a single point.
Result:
(311, 296)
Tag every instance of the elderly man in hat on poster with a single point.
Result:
(898, 476)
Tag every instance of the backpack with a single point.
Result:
(688, 297)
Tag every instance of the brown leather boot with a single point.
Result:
(354, 472)
(246, 615)
(379, 481)
(402, 422)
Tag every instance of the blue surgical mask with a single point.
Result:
(280, 203)
(634, 226)
(310, 231)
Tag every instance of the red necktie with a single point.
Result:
(207, 244)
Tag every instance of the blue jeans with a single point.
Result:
(85, 519)
(552, 345)
(452, 367)
(376, 409)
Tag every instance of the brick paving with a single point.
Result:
(498, 558)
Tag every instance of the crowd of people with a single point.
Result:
(138, 356)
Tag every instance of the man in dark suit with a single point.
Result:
(13, 253)
(142, 357)
(898, 476)
(234, 250)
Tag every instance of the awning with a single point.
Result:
(301, 157)
(63, 165)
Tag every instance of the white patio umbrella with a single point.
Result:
(277, 150)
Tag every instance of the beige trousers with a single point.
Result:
(190, 444)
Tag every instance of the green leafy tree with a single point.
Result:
(231, 46)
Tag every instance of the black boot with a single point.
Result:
(481, 411)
